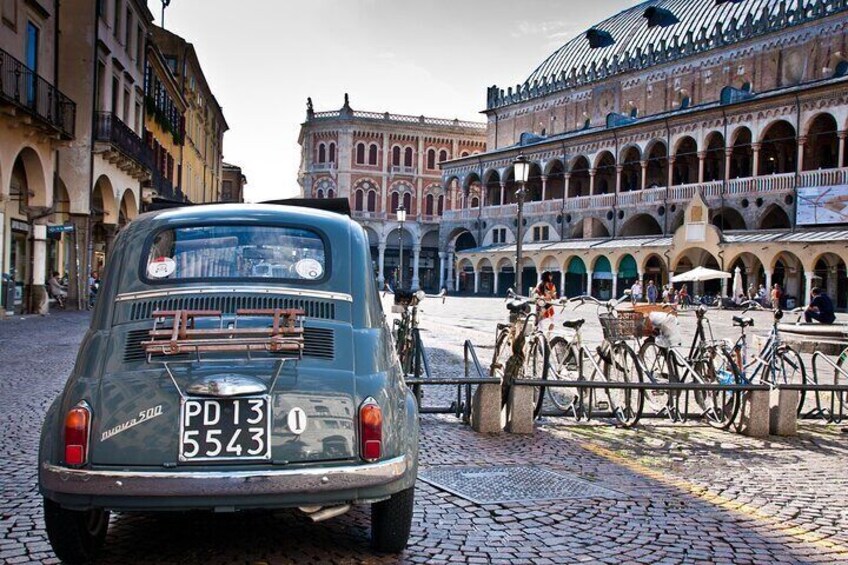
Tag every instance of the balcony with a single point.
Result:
(163, 187)
(363, 215)
(329, 166)
(125, 149)
(30, 93)
(398, 170)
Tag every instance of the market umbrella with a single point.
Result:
(737, 284)
(700, 274)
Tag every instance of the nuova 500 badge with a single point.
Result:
(161, 267)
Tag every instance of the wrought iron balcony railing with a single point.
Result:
(22, 87)
(163, 186)
(110, 129)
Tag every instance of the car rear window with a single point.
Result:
(236, 252)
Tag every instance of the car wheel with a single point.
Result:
(391, 521)
(76, 535)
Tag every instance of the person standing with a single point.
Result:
(776, 295)
(684, 297)
(546, 290)
(820, 308)
(652, 292)
(636, 292)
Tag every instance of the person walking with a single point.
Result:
(652, 292)
(683, 297)
(776, 295)
(636, 292)
(820, 308)
(547, 291)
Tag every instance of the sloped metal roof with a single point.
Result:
(801, 236)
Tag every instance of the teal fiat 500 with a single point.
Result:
(238, 358)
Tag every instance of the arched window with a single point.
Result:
(443, 156)
(394, 206)
(372, 154)
(372, 200)
(319, 194)
(360, 153)
(441, 207)
(428, 205)
(331, 193)
(357, 203)
(475, 202)
(332, 152)
(407, 157)
(396, 156)
(464, 154)
(431, 159)
(407, 202)
(322, 153)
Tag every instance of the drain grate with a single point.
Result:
(512, 483)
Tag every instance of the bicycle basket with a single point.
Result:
(624, 326)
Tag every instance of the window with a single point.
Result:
(10, 13)
(396, 156)
(372, 200)
(236, 252)
(128, 26)
(407, 157)
(139, 46)
(372, 154)
(428, 205)
(138, 113)
(116, 18)
(322, 153)
(441, 207)
(394, 203)
(226, 190)
(127, 116)
(332, 158)
(431, 159)
(475, 202)
(357, 202)
(407, 203)
(360, 153)
(540, 233)
(464, 154)
(32, 45)
(116, 92)
(499, 235)
(443, 156)
(331, 193)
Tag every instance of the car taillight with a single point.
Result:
(370, 430)
(77, 427)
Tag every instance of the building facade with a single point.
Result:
(203, 148)
(36, 119)
(381, 161)
(675, 134)
(233, 182)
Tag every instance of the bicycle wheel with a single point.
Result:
(566, 364)
(721, 406)
(503, 351)
(790, 369)
(839, 400)
(623, 367)
(536, 367)
(656, 369)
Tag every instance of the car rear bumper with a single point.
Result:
(319, 483)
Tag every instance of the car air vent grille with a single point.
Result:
(321, 309)
(132, 348)
(319, 343)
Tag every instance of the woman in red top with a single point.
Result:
(546, 290)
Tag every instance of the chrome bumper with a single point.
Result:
(215, 483)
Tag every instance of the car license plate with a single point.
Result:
(221, 429)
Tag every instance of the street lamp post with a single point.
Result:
(401, 218)
(521, 169)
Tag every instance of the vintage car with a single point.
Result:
(238, 358)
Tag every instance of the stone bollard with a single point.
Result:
(486, 409)
(520, 410)
(784, 412)
(756, 422)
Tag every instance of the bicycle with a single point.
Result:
(404, 329)
(776, 363)
(521, 349)
(706, 362)
(613, 361)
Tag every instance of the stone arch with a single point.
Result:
(778, 148)
(685, 161)
(605, 173)
(714, 157)
(104, 203)
(640, 224)
(788, 271)
(29, 165)
(461, 239)
(555, 173)
(491, 187)
(830, 275)
(575, 279)
(750, 268)
(774, 217)
(821, 150)
(728, 218)
(692, 257)
(533, 186)
(589, 227)
(129, 208)
(656, 153)
(654, 266)
(631, 171)
(578, 183)
(742, 154)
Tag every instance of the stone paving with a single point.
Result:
(686, 493)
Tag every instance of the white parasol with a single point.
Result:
(737, 284)
(700, 274)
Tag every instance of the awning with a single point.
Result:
(576, 266)
(700, 274)
(628, 269)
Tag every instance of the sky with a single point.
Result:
(263, 58)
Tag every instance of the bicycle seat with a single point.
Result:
(517, 306)
(502, 326)
(742, 322)
(574, 324)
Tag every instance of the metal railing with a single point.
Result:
(163, 186)
(110, 129)
(22, 87)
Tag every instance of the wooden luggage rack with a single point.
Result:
(175, 332)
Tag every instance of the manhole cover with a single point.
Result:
(513, 483)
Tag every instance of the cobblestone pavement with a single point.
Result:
(681, 493)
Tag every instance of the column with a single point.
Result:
(38, 304)
(544, 186)
(615, 284)
(618, 169)
(728, 154)
(416, 252)
(841, 162)
(456, 282)
(495, 283)
(755, 166)
(565, 188)
(441, 270)
(589, 283)
(808, 276)
(802, 142)
(78, 276)
(503, 192)
(768, 286)
(476, 281)
(381, 278)
(670, 179)
(592, 181)
(644, 165)
(724, 288)
(702, 157)
(449, 277)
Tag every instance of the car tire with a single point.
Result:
(76, 536)
(391, 521)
